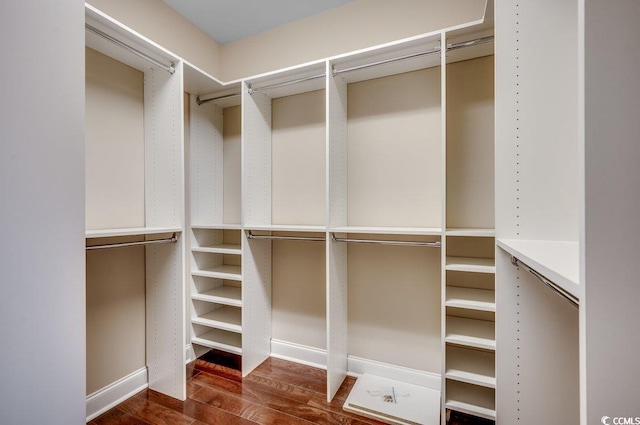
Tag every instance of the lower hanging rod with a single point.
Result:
(213, 99)
(571, 299)
(286, 238)
(169, 68)
(387, 242)
(172, 239)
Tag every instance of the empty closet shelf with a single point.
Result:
(219, 249)
(227, 295)
(471, 377)
(225, 318)
(130, 231)
(422, 231)
(287, 228)
(468, 264)
(217, 226)
(471, 299)
(471, 333)
(471, 409)
(221, 340)
(220, 272)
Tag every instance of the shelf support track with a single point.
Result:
(387, 242)
(172, 239)
(285, 238)
(571, 299)
(170, 68)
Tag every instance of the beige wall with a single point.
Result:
(357, 25)
(162, 24)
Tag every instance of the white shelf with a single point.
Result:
(472, 299)
(471, 409)
(468, 264)
(471, 232)
(422, 231)
(225, 318)
(130, 231)
(471, 378)
(220, 340)
(471, 333)
(219, 226)
(227, 295)
(219, 249)
(286, 228)
(558, 261)
(221, 272)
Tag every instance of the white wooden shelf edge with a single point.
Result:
(221, 272)
(423, 231)
(130, 231)
(472, 299)
(286, 228)
(218, 339)
(219, 249)
(471, 333)
(226, 295)
(219, 226)
(471, 378)
(558, 261)
(471, 232)
(225, 318)
(468, 264)
(471, 409)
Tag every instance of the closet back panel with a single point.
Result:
(395, 151)
(298, 155)
(394, 305)
(298, 293)
(470, 139)
(115, 179)
(115, 314)
(231, 150)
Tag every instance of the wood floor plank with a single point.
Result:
(116, 416)
(153, 413)
(299, 375)
(215, 369)
(245, 408)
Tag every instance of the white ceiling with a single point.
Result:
(229, 20)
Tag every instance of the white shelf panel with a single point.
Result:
(471, 378)
(472, 299)
(471, 409)
(558, 261)
(220, 249)
(468, 264)
(220, 226)
(130, 231)
(471, 232)
(286, 228)
(220, 340)
(471, 333)
(221, 272)
(428, 231)
(225, 318)
(227, 295)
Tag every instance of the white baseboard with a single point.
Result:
(314, 357)
(356, 366)
(115, 393)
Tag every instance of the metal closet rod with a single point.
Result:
(169, 68)
(286, 238)
(435, 50)
(548, 283)
(387, 242)
(226, 96)
(286, 83)
(172, 239)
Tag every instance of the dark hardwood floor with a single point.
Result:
(276, 393)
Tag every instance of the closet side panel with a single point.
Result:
(115, 178)
(42, 213)
(612, 151)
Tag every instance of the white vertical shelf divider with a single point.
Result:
(337, 299)
(256, 254)
(443, 239)
(206, 163)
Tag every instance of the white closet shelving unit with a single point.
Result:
(539, 207)
(163, 196)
